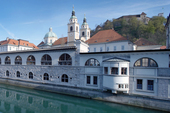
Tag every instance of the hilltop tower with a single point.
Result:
(85, 30)
(73, 29)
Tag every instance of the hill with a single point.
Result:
(134, 29)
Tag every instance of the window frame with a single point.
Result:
(65, 59)
(31, 61)
(89, 62)
(142, 62)
(139, 84)
(7, 60)
(64, 78)
(150, 85)
(18, 60)
(46, 76)
(46, 59)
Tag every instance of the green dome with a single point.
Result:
(50, 34)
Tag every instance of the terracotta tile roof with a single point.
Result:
(143, 13)
(18, 42)
(163, 47)
(40, 43)
(105, 36)
(144, 42)
(60, 41)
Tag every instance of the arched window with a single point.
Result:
(30, 75)
(7, 60)
(83, 33)
(64, 78)
(31, 60)
(18, 74)
(71, 28)
(92, 62)
(7, 73)
(46, 76)
(145, 62)
(77, 28)
(65, 59)
(46, 60)
(18, 60)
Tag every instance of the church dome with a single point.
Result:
(50, 34)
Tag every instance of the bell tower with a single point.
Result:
(85, 30)
(73, 29)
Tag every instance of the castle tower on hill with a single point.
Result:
(73, 29)
(85, 30)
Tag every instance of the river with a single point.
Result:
(22, 100)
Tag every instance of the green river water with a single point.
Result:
(22, 100)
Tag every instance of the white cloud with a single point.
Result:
(11, 34)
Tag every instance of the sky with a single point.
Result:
(31, 19)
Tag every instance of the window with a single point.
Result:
(123, 47)
(114, 48)
(95, 80)
(71, 28)
(50, 41)
(65, 59)
(88, 79)
(94, 49)
(139, 83)
(46, 60)
(30, 75)
(124, 71)
(145, 62)
(9, 48)
(7, 60)
(0, 60)
(101, 49)
(83, 33)
(31, 60)
(18, 60)
(121, 85)
(77, 28)
(150, 85)
(105, 70)
(46, 76)
(114, 70)
(64, 78)
(107, 48)
(92, 62)
(126, 85)
(7, 73)
(18, 74)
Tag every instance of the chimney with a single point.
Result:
(7, 38)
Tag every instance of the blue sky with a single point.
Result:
(30, 19)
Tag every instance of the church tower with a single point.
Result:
(85, 30)
(73, 29)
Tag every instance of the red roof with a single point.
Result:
(163, 47)
(105, 36)
(60, 41)
(144, 42)
(41, 43)
(18, 42)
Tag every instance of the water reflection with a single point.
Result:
(20, 100)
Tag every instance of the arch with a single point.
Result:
(46, 60)
(7, 60)
(145, 62)
(83, 33)
(18, 74)
(64, 78)
(65, 59)
(31, 60)
(92, 62)
(7, 73)
(30, 75)
(18, 60)
(71, 28)
(46, 76)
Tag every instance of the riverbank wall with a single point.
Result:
(133, 100)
